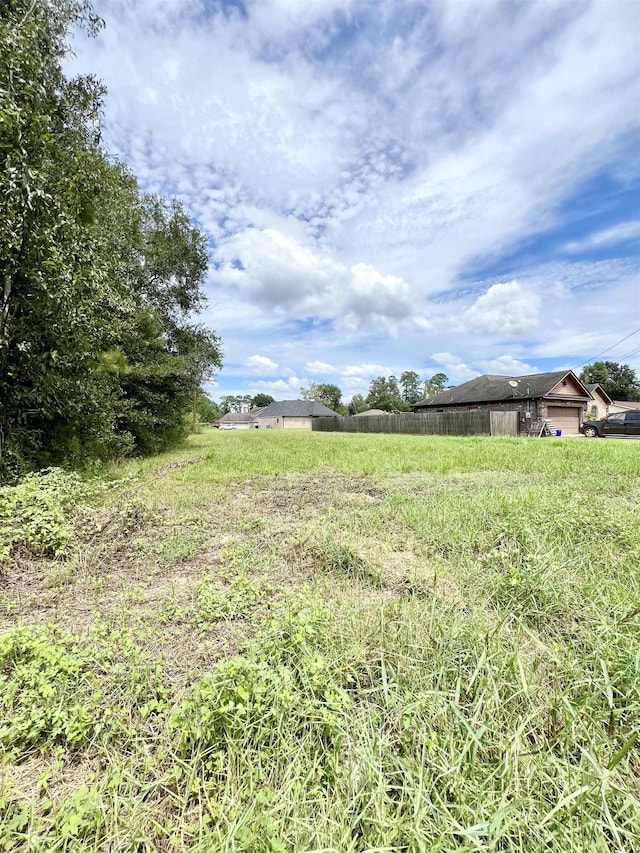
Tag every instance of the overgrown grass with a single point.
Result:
(307, 642)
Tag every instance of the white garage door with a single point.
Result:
(568, 420)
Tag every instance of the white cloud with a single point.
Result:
(506, 365)
(280, 386)
(261, 364)
(620, 233)
(279, 272)
(321, 367)
(509, 134)
(506, 310)
(454, 366)
(361, 371)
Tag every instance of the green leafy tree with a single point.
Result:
(410, 386)
(207, 409)
(262, 400)
(620, 381)
(235, 403)
(158, 260)
(325, 393)
(433, 385)
(98, 284)
(50, 173)
(384, 393)
(356, 405)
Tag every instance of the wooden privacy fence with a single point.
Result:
(504, 423)
(429, 423)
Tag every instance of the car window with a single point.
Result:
(633, 417)
(618, 418)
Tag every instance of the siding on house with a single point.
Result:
(291, 414)
(599, 407)
(284, 423)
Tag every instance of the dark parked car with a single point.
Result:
(621, 423)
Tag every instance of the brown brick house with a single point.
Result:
(559, 396)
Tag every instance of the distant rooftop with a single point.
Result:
(295, 409)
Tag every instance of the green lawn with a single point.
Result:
(274, 641)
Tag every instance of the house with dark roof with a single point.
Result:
(558, 396)
(291, 414)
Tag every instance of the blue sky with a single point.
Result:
(389, 185)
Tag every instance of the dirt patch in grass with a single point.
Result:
(134, 563)
(140, 566)
(42, 777)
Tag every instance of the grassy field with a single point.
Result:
(321, 642)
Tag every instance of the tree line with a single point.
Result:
(100, 355)
(391, 394)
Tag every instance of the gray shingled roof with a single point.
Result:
(295, 409)
(490, 388)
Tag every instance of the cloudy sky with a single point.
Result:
(389, 185)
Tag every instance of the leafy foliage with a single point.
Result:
(48, 693)
(98, 356)
(438, 382)
(325, 393)
(261, 400)
(207, 409)
(281, 682)
(357, 404)
(235, 403)
(620, 381)
(410, 385)
(384, 393)
(35, 512)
